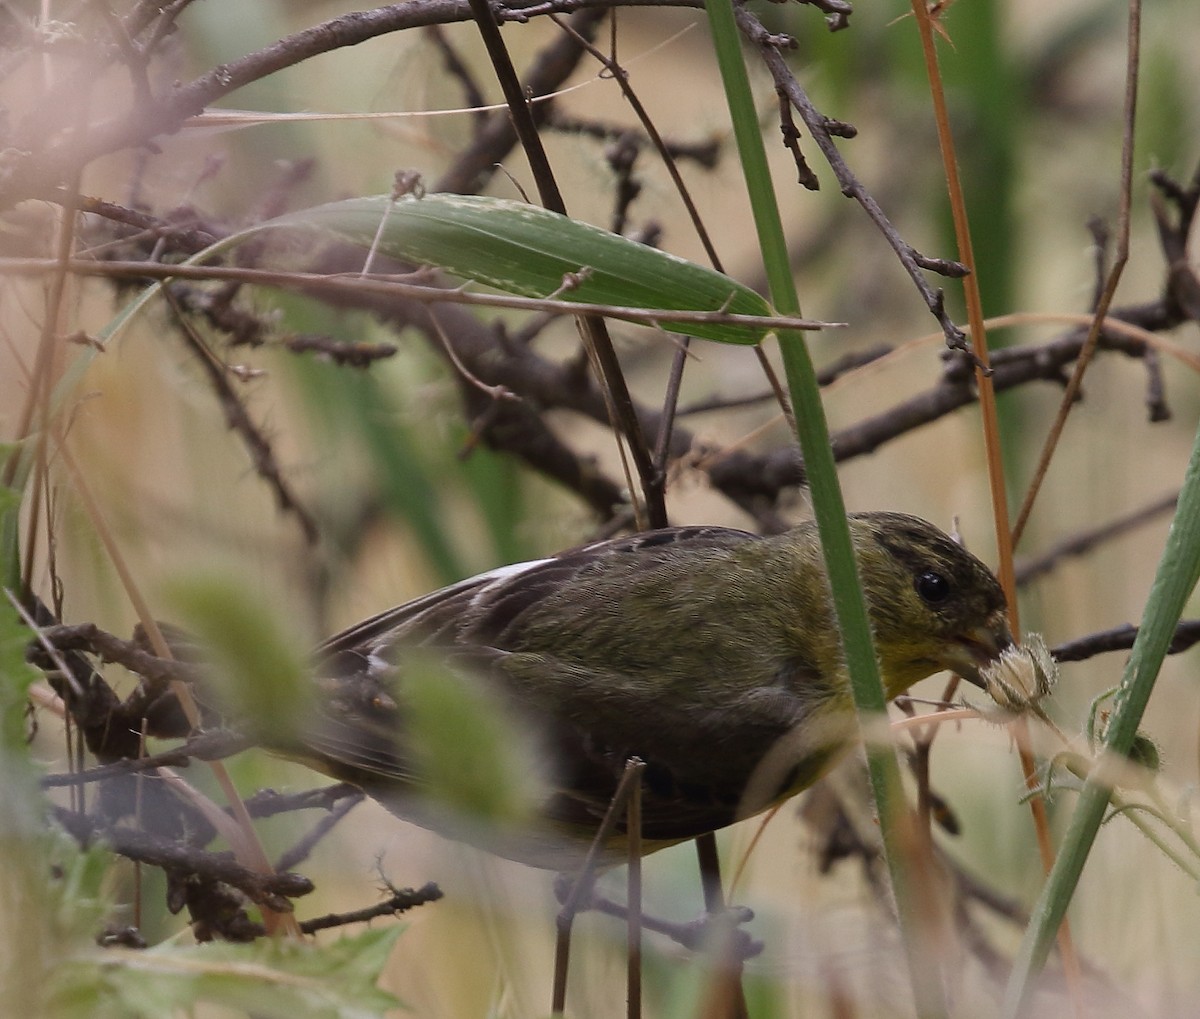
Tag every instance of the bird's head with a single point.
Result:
(934, 606)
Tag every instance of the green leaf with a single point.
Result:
(259, 671)
(16, 675)
(526, 250)
(517, 248)
(849, 603)
(10, 514)
(269, 978)
(471, 753)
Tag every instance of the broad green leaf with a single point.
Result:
(526, 250)
(518, 248)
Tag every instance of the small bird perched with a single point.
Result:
(711, 654)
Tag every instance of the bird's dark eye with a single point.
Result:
(932, 587)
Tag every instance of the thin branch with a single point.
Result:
(818, 125)
(300, 852)
(1124, 216)
(399, 900)
(37, 161)
(592, 328)
(206, 747)
(396, 287)
(1083, 542)
(238, 418)
(1120, 638)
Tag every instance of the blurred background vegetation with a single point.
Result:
(405, 480)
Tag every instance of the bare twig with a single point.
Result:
(399, 900)
(1120, 638)
(1083, 542)
(298, 853)
(1121, 257)
(262, 455)
(819, 127)
(578, 891)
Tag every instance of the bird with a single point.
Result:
(710, 654)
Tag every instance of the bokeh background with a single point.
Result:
(405, 500)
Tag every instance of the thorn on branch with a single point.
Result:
(1183, 286)
(349, 354)
(837, 12)
(1183, 198)
(942, 266)
(840, 129)
(407, 182)
(571, 281)
(1156, 389)
(1100, 239)
(791, 138)
(956, 339)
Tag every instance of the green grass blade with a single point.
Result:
(525, 250)
(1178, 572)
(813, 433)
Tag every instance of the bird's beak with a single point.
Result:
(980, 646)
